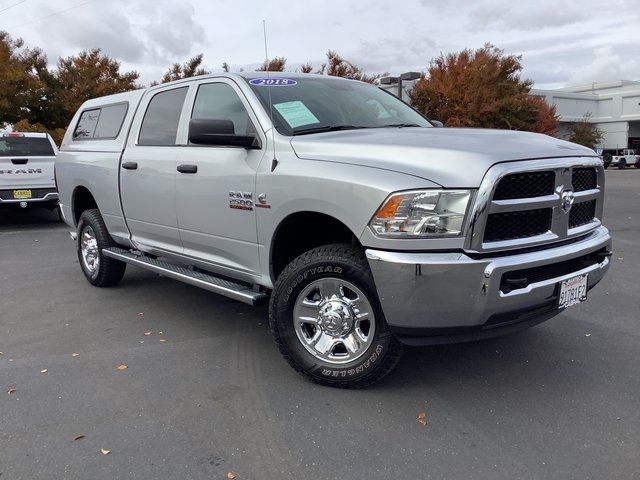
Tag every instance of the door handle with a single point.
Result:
(188, 168)
(130, 165)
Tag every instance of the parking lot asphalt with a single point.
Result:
(205, 391)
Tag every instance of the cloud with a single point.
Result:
(536, 15)
(606, 65)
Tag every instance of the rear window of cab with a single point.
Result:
(20, 146)
(101, 123)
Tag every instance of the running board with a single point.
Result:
(209, 282)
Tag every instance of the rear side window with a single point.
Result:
(101, 123)
(26, 147)
(160, 122)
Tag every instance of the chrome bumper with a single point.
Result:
(49, 197)
(444, 291)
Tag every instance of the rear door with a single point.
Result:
(26, 163)
(148, 170)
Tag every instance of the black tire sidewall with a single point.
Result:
(290, 285)
(110, 271)
(87, 221)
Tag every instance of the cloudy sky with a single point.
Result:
(562, 42)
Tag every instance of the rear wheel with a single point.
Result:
(93, 237)
(622, 165)
(327, 321)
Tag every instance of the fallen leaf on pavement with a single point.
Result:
(104, 451)
(79, 437)
(162, 340)
(141, 313)
(422, 419)
(44, 370)
(11, 390)
(160, 333)
(122, 366)
(587, 334)
(1, 353)
(146, 334)
(75, 354)
(231, 475)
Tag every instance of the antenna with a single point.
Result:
(274, 161)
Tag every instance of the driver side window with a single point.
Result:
(220, 102)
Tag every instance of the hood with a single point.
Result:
(450, 157)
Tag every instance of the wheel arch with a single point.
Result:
(82, 199)
(302, 231)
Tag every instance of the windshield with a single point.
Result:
(319, 103)
(11, 146)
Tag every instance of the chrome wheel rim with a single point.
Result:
(89, 250)
(334, 320)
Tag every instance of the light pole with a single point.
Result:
(407, 76)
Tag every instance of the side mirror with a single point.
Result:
(437, 123)
(209, 131)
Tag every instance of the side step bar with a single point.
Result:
(209, 282)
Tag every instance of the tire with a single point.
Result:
(92, 238)
(606, 160)
(341, 319)
(622, 164)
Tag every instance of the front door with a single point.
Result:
(148, 172)
(215, 187)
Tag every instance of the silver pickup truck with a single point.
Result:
(362, 225)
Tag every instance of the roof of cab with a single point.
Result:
(132, 97)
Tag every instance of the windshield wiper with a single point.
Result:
(327, 128)
(402, 125)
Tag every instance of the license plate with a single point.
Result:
(573, 291)
(21, 194)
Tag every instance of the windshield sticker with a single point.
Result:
(273, 82)
(296, 113)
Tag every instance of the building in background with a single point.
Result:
(614, 107)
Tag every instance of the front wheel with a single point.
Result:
(622, 165)
(327, 321)
(93, 237)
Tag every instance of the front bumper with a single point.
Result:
(431, 298)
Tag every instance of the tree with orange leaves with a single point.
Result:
(482, 88)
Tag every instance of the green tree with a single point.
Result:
(225, 67)
(481, 88)
(191, 68)
(585, 133)
(276, 64)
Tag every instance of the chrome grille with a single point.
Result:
(533, 202)
(582, 213)
(584, 179)
(525, 185)
(514, 225)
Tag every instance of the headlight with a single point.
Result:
(426, 213)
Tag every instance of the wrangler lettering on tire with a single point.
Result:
(326, 319)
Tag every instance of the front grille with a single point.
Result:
(584, 179)
(582, 213)
(35, 193)
(513, 225)
(525, 185)
(520, 204)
